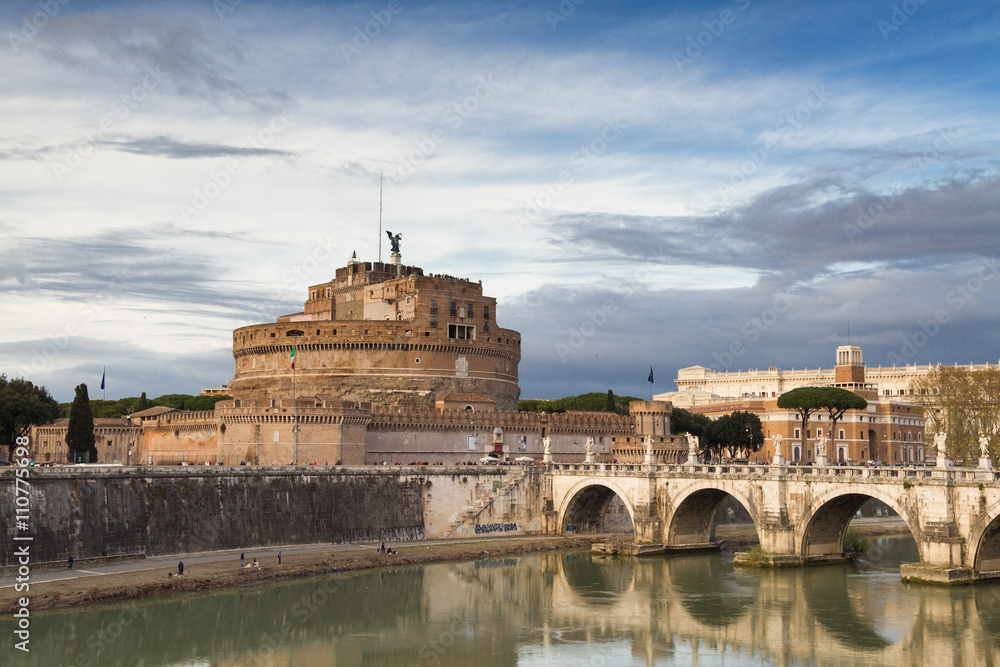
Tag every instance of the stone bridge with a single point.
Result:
(801, 513)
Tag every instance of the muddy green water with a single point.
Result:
(546, 609)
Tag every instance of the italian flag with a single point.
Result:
(293, 357)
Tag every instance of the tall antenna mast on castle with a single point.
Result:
(380, 215)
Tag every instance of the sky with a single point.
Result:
(735, 184)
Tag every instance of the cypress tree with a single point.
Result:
(143, 403)
(80, 434)
(611, 402)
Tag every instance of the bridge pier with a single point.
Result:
(648, 524)
(801, 513)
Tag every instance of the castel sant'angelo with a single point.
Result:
(385, 334)
(384, 364)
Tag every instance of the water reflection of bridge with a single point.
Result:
(799, 511)
(495, 612)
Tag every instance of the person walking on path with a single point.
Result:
(71, 562)
(180, 569)
(279, 558)
(241, 560)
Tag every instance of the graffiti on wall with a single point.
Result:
(369, 534)
(483, 528)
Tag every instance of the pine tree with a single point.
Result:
(80, 434)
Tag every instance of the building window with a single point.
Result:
(454, 308)
(434, 320)
(797, 433)
(841, 434)
(486, 312)
(472, 310)
(434, 306)
(461, 332)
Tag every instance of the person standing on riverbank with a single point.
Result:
(242, 560)
(71, 562)
(279, 558)
(180, 569)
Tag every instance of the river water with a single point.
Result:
(567, 608)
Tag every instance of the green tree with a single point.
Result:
(175, 401)
(807, 400)
(80, 434)
(737, 435)
(22, 405)
(610, 406)
(683, 421)
(963, 404)
(840, 401)
(142, 403)
(204, 402)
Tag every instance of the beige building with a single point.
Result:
(697, 385)
(889, 430)
(116, 440)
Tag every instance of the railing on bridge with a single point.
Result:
(878, 472)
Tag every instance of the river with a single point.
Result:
(566, 608)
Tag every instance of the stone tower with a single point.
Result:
(651, 417)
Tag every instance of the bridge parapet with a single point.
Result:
(801, 513)
(842, 473)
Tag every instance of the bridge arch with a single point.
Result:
(692, 519)
(821, 529)
(984, 541)
(587, 502)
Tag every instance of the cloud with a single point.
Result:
(132, 44)
(786, 230)
(158, 146)
(131, 369)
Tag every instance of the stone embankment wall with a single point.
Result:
(93, 512)
(518, 507)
